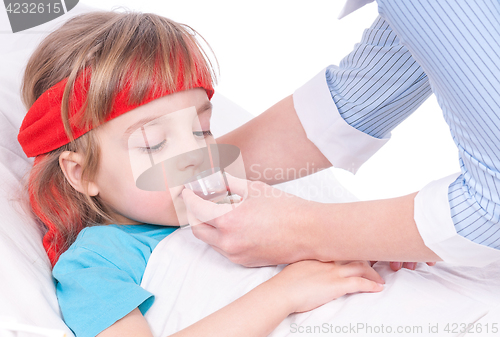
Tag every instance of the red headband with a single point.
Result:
(42, 131)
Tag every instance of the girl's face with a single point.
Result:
(161, 129)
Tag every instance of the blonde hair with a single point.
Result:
(152, 50)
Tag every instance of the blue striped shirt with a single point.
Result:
(451, 49)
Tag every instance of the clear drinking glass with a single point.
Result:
(208, 185)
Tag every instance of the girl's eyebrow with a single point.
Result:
(138, 124)
(205, 107)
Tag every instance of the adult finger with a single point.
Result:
(220, 251)
(203, 210)
(399, 265)
(395, 266)
(206, 233)
(237, 185)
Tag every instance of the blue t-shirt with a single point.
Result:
(98, 278)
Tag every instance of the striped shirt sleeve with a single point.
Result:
(457, 45)
(359, 102)
(379, 84)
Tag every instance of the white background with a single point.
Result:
(267, 49)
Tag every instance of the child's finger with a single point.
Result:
(361, 269)
(352, 285)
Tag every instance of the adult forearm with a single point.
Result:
(275, 146)
(381, 230)
(256, 314)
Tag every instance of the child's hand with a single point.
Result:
(309, 284)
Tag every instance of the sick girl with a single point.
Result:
(90, 85)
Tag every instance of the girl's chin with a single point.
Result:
(169, 219)
(180, 220)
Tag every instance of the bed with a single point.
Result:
(429, 297)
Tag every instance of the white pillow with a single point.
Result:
(28, 293)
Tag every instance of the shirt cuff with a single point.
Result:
(433, 218)
(343, 145)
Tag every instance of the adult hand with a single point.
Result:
(395, 266)
(265, 228)
(272, 227)
(408, 265)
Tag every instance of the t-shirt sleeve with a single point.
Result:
(98, 281)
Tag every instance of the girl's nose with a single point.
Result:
(194, 154)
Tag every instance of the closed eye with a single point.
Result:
(203, 134)
(153, 149)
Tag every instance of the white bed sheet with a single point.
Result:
(190, 280)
